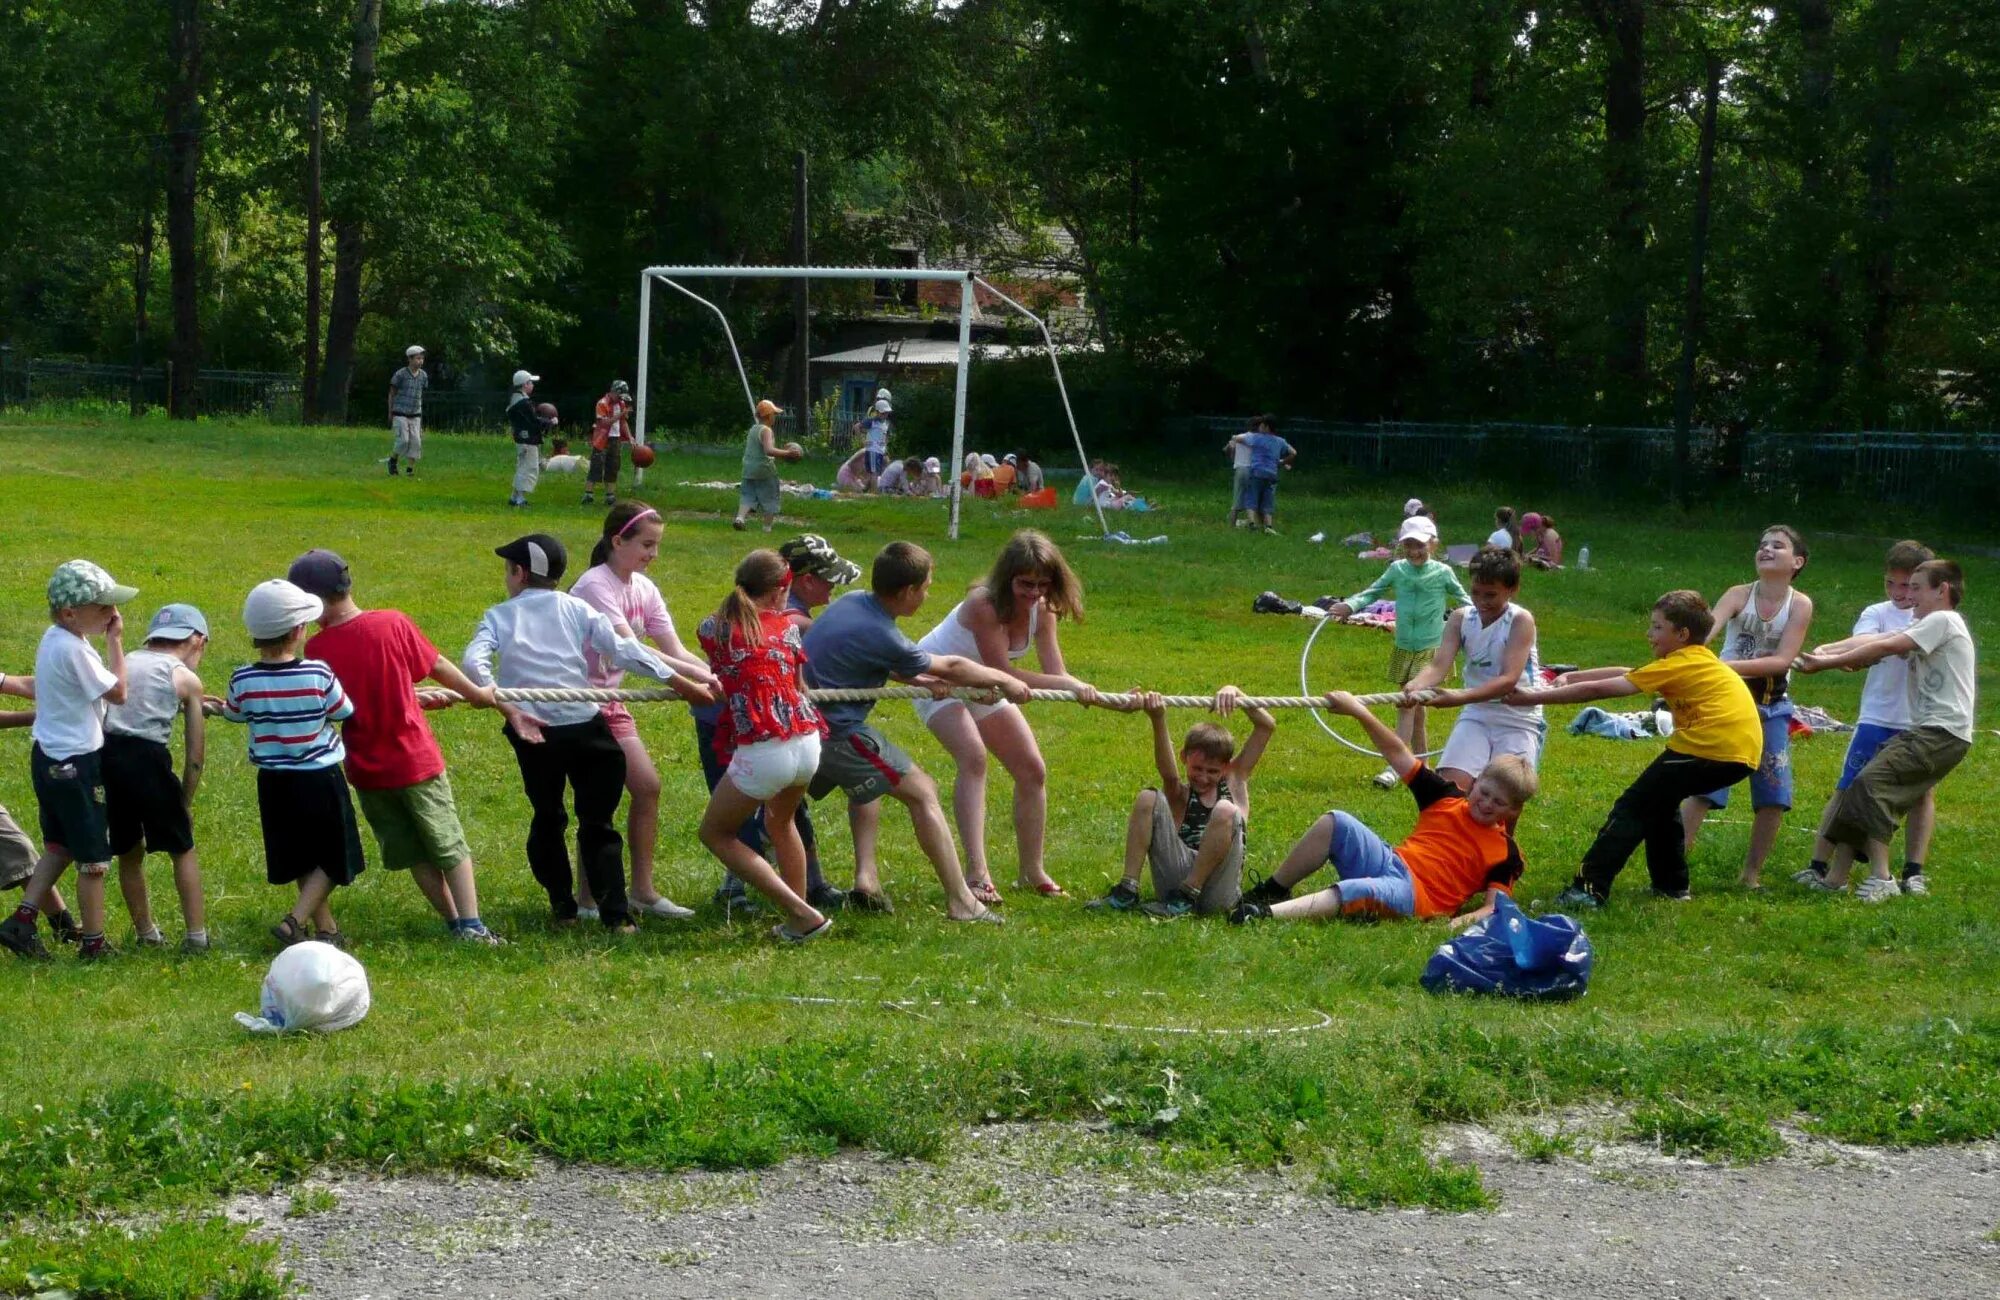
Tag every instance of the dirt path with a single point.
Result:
(1022, 1213)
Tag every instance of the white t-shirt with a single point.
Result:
(1501, 538)
(1940, 673)
(70, 682)
(1885, 695)
(894, 478)
(1242, 460)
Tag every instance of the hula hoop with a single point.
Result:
(1305, 688)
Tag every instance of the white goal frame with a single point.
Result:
(966, 280)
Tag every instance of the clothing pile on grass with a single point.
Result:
(1381, 614)
(790, 489)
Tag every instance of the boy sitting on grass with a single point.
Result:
(1462, 844)
(1191, 827)
(1718, 740)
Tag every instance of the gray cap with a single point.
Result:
(322, 573)
(176, 623)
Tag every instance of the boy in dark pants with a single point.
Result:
(1718, 740)
(540, 635)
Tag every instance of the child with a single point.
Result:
(1909, 766)
(1424, 587)
(874, 431)
(1238, 452)
(853, 475)
(393, 760)
(1012, 614)
(1498, 638)
(527, 428)
(1717, 741)
(1763, 626)
(1193, 826)
(897, 476)
(17, 852)
(1504, 534)
(72, 684)
(311, 839)
(541, 635)
(930, 483)
(560, 461)
(1268, 452)
(1885, 711)
(761, 454)
(856, 643)
(610, 429)
(406, 410)
(1548, 543)
(617, 587)
(770, 739)
(1462, 844)
(1028, 476)
(147, 808)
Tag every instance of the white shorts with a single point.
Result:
(762, 769)
(1476, 741)
(929, 709)
(409, 432)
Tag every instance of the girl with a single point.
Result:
(1548, 551)
(771, 734)
(853, 475)
(616, 585)
(1505, 535)
(1014, 611)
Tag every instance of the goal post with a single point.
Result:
(671, 276)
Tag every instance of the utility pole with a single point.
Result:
(799, 388)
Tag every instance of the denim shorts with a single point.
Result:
(1771, 782)
(1259, 495)
(1866, 742)
(1373, 880)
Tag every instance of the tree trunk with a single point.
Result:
(315, 135)
(1878, 237)
(142, 285)
(1692, 318)
(343, 320)
(1622, 26)
(1818, 222)
(183, 131)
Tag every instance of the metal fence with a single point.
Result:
(41, 382)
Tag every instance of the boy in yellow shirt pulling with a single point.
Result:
(1718, 740)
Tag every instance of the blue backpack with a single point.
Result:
(1511, 953)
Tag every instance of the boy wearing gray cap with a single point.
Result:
(147, 806)
(291, 704)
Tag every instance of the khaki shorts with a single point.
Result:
(1405, 664)
(17, 853)
(1173, 862)
(416, 825)
(1896, 780)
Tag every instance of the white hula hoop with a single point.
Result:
(1305, 688)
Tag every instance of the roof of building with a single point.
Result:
(927, 352)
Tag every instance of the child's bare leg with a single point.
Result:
(917, 792)
(787, 846)
(864, 827)
(54, 904)
(1420, 737)
(1764, 827)
(1139, 834)
(90, 894)
(464, 891)
(1693, 812)
(187, 883)
(1308, 855)
(1918, 829)
(1839, 865)
(960, 737)
(1406, 728)
(1458, 776)
(313, 892)
(642, 817)
(132, 884)
(430, 881)
(40, 892)
(1324, 904)
(1218, 840)
(1878, 860)
(728, 808)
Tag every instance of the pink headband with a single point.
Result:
(647, 513)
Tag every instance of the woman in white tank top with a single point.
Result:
(1013, 612)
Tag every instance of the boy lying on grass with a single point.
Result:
(1462, 844)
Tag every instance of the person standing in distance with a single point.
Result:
(609, 432)
(527, 428)
(406, 410)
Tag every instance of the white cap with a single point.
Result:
(414, 350)
(1412, 507)
(881, 394)
(1011, 458)
(523, 377)
(1417, 528)
(988, 461)
(932, 465)
(882, 406)
(276, 607)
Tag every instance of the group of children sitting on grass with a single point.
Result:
(335, 715)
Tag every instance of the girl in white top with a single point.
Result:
(616, 586)
(1014, 611)
(1498, 640)
(1504, 534)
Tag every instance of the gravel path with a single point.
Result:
(1021, 1212)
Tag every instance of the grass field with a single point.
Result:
(126, 1090)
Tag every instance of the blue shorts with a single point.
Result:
(1259, 495)
(1373, 880)
(877, 461)
(1771, 782)
(1862, 747)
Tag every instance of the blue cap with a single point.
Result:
(176, 623)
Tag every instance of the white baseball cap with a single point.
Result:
(881, 394)
(523, 377)
(414, 350)
(882, 406)
(276, 607)
(1417, 528)
(1412, 507)
(932, 465)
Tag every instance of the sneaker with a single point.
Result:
(1916, 884)
(664, 907)
(1577, 896)
(1249, 910)
(1182, 902)
(476, 932)
(19, 937)
(98, 949)
(1270, 531)
(392, 467)
(1123, 897)
(153, 940)
(589, 500)
(1674, 895)
(1270, 602)
(1386, 779)
(409, 471)
(194, 946)
(1877, 889)
(744, 903)
(1817, 883)
(737, 523)
(1808, 877)
(826, 898)
(867, 900)
(333, 938)
(588, 914)
(1267, 890)
(820, 931)
(64, 927)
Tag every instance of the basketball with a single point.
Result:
(794, 452)
(547, 410)
(642, 455)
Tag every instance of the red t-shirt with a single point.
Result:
(379, 658)
(762, 695)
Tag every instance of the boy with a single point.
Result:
(1498, 638)
(1938, 647)
(1462, 844)
(72, 685)
(146, 807)
(393, 760)
(1259, 495)
(874, 430)
(609, 431)
(856, 643)
(1717, 741)
(1424, 588)
(1885, 711)
(761, 454)
(17, 852)
(290, 704)
(540, 635)
(1191, 828)
(527, 428)
(1763, 626)
(406, 410)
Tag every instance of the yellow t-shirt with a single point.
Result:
(1714, 716)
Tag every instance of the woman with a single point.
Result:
(616, 584)
(1012, 613)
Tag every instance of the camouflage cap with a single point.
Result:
(809, 553)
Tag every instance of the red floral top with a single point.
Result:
(763, 696)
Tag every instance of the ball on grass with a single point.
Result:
(642, 455)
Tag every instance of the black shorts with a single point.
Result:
(70, 793)
(143, 798)
(309, 825)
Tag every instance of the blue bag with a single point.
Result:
(1511, 953)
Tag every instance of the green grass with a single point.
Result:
(127, 1088)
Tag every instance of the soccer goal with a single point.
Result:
(966, 281)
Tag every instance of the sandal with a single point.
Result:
(288, 931)
(1046, 888)
(984, 891)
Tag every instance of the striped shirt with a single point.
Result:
(290, 708)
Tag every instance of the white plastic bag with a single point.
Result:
(312, 986)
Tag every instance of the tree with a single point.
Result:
(184, 147)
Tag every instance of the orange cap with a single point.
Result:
(768, 407)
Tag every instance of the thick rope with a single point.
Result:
(845, 695)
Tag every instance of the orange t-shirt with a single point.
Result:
(1003, 478)
(1450, 856)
